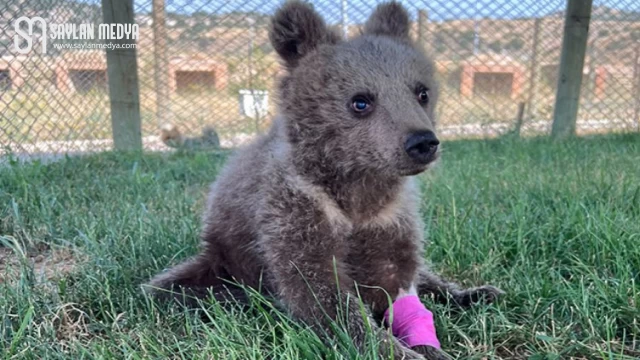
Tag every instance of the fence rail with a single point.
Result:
(206, 69)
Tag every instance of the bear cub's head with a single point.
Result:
(363, 105)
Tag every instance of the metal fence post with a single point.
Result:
(160, 61)
(533, 80)
(574, 45)
(345, 20)
(122, 71)
(423, 29)
(636, 85)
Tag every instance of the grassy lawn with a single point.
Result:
(557, 225)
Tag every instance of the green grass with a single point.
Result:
(557, 225)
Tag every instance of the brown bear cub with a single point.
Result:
(323, 208)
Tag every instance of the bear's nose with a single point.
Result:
(421, 146)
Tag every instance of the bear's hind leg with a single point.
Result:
(193, 280)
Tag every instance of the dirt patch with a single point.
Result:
(47, 264)
(71, 324)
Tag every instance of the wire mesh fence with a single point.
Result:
(206, 69)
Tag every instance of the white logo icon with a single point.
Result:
(28, 36)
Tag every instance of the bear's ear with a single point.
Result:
(296, 30)
(389, 19)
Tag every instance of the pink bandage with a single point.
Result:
(412, 322)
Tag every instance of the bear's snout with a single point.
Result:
(421, 146)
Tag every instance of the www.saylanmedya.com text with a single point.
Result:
(85, 46)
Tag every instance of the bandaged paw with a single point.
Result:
(411, 322)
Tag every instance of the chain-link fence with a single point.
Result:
(208, 64)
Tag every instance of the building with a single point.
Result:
(81, 71)
(12, 72)
(492, 75)
(187, 72)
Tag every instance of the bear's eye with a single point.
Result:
(423, 95)
(360, 104)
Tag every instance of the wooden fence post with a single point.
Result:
(122, 70)
(574, 45)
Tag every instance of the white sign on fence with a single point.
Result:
(254, 103)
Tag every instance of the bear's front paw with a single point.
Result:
(431, 353)
(483, 294)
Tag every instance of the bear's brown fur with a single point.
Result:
(324, 205)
